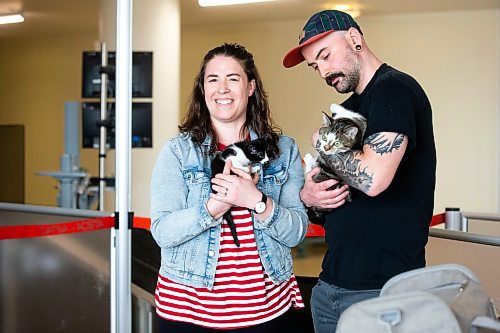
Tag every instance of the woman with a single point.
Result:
(206, 283)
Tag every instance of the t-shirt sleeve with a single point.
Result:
(392, 109)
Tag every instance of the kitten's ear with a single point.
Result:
(351, 132)
(327, 120)
(336, 109)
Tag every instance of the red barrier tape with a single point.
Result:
(29, 231)
(314, 230)
(142, 222)
(437, 219)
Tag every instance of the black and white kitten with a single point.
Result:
(245, 155)
(341, 132)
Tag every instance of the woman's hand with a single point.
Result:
(215, 207)
(238, 189)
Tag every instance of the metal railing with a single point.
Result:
(457, 226)
(26, 208)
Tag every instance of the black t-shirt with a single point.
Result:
(371, 239)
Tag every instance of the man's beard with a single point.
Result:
(349, 78)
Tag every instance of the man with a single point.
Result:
(384, 230)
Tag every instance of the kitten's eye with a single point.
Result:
(323, 137)
(337, 144)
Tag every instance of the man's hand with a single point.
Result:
(317, 194)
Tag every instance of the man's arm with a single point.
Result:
(372, 169)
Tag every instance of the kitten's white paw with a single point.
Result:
(309, 162)
(255, 168)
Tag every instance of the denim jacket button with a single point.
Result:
(211, 253)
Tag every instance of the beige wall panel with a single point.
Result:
(37, 77)
(481, 259)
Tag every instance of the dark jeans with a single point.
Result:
(283, 323)
(329, 301)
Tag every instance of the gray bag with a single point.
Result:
(441, 298)
(413, 312)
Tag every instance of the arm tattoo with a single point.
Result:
(382, 145)
(346, 166)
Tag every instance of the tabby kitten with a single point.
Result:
(245, 155)
(341, 132)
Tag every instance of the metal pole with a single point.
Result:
(103, 129)
(453, 219)
(68, 186)
(123, 147)
(103, 135)
(70, 160)
(72, 133)
(464, 224)
(113, 280)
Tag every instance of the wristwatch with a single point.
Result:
(260, 206)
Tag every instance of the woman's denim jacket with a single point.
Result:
(188, 235)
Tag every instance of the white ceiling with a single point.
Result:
(50, 17)
(192, 14)
(53, 17)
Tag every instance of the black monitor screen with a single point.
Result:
(141, 125)
(142, 74)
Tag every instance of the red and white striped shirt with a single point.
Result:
(243, 294)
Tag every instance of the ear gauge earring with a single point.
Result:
(358, 47)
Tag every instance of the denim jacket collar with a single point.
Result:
(208, 139)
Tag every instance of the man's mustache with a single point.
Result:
(330, 78)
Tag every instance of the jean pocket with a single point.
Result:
(193, 176)
(275, 174)
(198, 184)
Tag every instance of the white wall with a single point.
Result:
(156, 27)
(454, 55)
